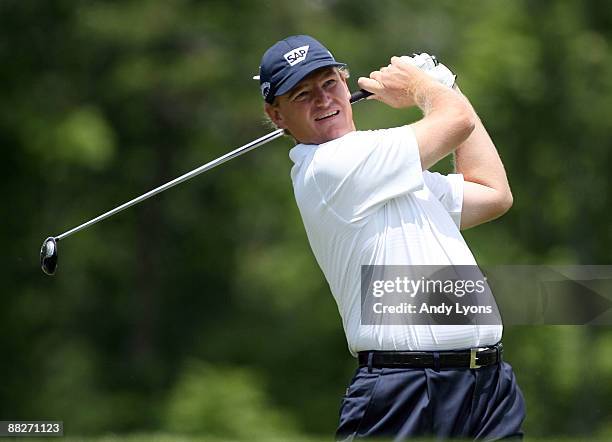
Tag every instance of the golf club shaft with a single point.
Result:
(228, 156)
(355, 97)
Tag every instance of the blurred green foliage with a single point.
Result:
(203, 310)
(231, 400)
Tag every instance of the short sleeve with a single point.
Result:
(358, 173)
(448, 189)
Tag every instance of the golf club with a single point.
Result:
(48, 250)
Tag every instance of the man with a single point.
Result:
(366, 198)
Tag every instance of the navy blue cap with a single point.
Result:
(289, 61)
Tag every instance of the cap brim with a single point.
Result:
(299, 75)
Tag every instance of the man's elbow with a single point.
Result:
(464, 121)
(504, 202)
(485, 204)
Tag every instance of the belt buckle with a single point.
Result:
(473, 355)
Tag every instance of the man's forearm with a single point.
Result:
(448, 121)
(478, 160)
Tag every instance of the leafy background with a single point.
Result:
(202, 311)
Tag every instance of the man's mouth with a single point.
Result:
(327, 115)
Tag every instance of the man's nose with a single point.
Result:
(322, 97)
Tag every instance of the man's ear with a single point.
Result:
(346, 86)
(275, 115)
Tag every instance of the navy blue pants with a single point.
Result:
(401, 403)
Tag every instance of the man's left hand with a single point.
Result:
(432, 67)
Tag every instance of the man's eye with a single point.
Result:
(329, 83)
(301, 96)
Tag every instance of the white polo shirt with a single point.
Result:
(364, 199)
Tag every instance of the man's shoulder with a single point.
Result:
(339, 156)
(361, 143)
(307, 152)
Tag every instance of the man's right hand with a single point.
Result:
(448, 120)
(395, 84)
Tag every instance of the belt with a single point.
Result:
(472, 358)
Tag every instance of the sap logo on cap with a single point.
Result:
(297, 55)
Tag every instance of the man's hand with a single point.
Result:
(425, 62)
(448, 119)
(433, 68)
(395, 84)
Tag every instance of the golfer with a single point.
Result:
(367, 198)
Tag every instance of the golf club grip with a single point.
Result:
(359, 95)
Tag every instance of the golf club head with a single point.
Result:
(48, 256)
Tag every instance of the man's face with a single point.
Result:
(317, 109)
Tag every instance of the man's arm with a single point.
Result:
(449, 118)
(486, 193)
